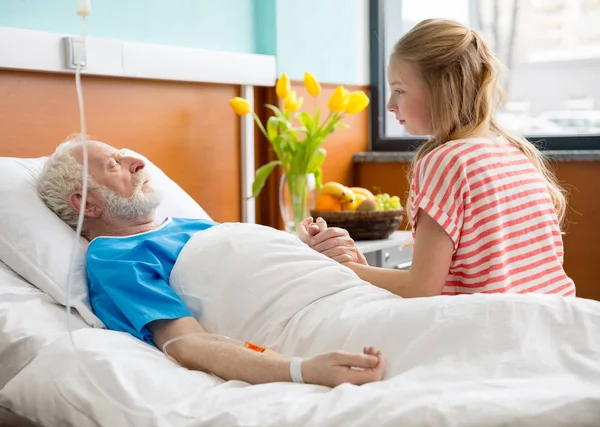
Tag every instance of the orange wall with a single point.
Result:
(582, 227)
(187, 129)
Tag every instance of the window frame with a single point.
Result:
(379, 142)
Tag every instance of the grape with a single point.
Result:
(386, 202)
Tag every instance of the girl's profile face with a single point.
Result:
(408, 100)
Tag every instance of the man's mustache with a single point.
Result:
(139, 178)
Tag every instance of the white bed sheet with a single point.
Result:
(477, 360)
(29, 320)
(454, 391)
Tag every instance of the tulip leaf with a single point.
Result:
(315, 142)
(277, 146)
(285, 125)
(307, 121)
(272, 125)
(330, 126)
(341, 126)
(261, 176)
(316, 160)
(318, 178)
(276, 110)
(292, 139)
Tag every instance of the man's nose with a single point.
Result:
(136, 164)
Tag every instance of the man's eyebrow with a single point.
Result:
(107, 157)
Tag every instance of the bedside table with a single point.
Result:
(390, 252)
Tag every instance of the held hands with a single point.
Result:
(333, 242)
(338, 367)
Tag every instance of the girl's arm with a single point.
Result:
(432, 255)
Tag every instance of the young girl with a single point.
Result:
(484, 208)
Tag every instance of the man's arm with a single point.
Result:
(432, 256)
(231, 361)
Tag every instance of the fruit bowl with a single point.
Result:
(362, 225)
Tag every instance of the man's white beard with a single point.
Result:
(130, 208)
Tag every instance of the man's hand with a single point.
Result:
(333, 242)
(338, 367)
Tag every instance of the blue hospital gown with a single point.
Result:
(128, 276)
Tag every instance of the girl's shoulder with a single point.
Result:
(465, 148)
(464, 154)
(446, 153)
(469, 145)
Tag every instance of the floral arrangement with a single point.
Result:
(297, 137)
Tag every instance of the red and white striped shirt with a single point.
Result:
(495, 206)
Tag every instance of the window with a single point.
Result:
(551, 47)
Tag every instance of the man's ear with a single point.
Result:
(92, 210)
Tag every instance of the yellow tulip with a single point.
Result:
(338, 100)
(240, 106)
(283, 88)
(311, 84)
(292, 103)
(357, 101)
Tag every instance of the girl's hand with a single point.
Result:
(334, 242)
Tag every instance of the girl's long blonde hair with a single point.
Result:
(461, 76)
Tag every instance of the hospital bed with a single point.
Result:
(539, 365)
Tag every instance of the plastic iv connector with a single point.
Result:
(210, 337)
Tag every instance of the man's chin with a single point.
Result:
(147, 189)
(156, 196)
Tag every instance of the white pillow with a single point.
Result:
(37, 244)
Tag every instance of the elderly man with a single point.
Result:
(130, 259)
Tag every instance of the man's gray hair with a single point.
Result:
(62, 176)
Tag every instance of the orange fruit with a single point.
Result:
(327, 202)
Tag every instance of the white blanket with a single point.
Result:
(452, 361)
(255, 283)
(248, 281)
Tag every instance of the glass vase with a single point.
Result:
(297, 197)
